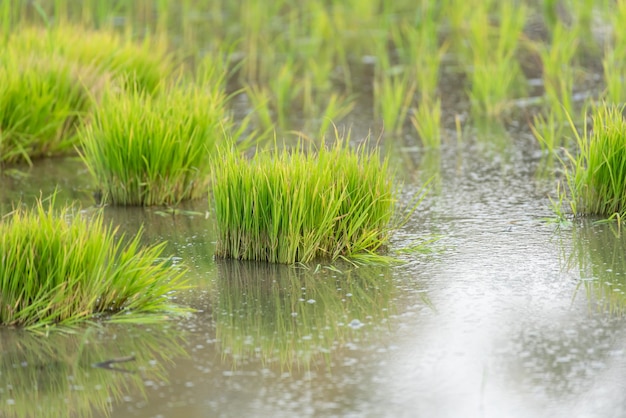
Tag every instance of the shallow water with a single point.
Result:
(508, 316)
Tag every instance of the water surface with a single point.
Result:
(508, 316)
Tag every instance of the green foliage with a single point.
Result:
(614, 57)
(495, 75)
(145, 65)
(393, 95)
(299, 205)
(41, 104)
(427, 122)
(49, 78)
(548, 131)
(60, 268)
(597, 176)
(154, 150)
(558, 72)
(417, 46)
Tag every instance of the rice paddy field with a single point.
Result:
(374, 208)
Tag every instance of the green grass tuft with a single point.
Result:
(300, 205)
(154, 150)
(41, 103)
(61, 268)
(146, 65)
(597, 177)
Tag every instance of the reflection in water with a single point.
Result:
(297, 315)
(599, 254)
(68, 176)
(59, 375)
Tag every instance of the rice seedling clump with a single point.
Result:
(146, 65)
(299, 205)
(597, 178)
(41, 103)
(154, 150)
(58, 268)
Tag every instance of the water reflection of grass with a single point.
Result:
(295, 316)
(54, 376)
(599, 255)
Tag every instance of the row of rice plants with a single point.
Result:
(594, 169)
(144, 148)
(41, 103)
(291, 57)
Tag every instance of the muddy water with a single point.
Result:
(507, 316)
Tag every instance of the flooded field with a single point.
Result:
(509, 316)
(510, 310)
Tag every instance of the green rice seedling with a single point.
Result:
(299, 205)
(427, 73)
(417, 45)
(558, 72)
(549, 131)
(361, 28)
(147, 65)
(549, 12)
(335, 109)
(154, 150)
(614, 57)
(614, 75)
(260, 98)
(322, 109)
(393, 95)
(277, 101)
(597, 176)
(456, 13)
(61, 268)
(583, 20)
(42, 102)
(495, 74)
(285, 88)
(427, 122)
(7, 11)
(258, 39)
